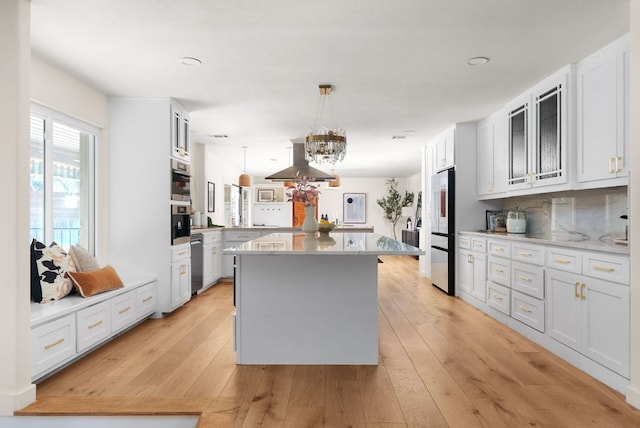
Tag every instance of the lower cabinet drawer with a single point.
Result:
(146, 300)
(499, 270)
(527, 310)
(93, 325)
(528, 279)
(499, 297)
(123, 311)
(52, 343)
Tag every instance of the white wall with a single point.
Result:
(633, 392)
(219, 172)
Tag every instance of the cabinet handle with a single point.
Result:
(145, 300)
(499, 250)
(618, 161)
(122, 311)
(497, 297)
(524, 309)
(563, 261)
(499, 270)
(604, 268)
(525, 254)
(182, 253)
(610, 165)
(94, 325)
(183, 269)
(469, 258)
(56, 343)
(582, 296)
(524, 278)
(577, 284)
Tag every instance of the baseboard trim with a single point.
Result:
(20, 400)
(633, 396)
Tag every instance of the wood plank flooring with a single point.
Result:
(442, 364)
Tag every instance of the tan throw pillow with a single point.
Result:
(53, 264)
(82, 260)
(97, 281)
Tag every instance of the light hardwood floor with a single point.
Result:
(442, 363)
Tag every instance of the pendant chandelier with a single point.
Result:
(245, 179)
(323, 143)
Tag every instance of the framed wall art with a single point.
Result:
(354, 207)
(265, 195)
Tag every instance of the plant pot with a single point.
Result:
(309, 225)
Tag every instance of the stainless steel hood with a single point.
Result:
(300, 168)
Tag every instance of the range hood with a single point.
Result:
(300, 168)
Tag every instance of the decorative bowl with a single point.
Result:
(326, 228)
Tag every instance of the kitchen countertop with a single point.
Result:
(358, 243)
(578, 241)
(278, 229)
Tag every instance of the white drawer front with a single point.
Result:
(211, 237)
(606, 266)
(123, 311)
(527, 310)
(145, 300)
(93, 325)
(527, 253)
(499, 297)
(563, 259)
(499, 270)
(52, 343)
(499, 248)
(479, 245)
(464, 242)
(240, 236)
(528, 279)
(180, 252)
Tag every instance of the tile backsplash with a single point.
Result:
(583, 214)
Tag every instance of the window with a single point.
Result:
(62, 182)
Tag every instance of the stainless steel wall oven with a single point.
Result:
(180, 181)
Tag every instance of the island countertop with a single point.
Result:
(341, 243)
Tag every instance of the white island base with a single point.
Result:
(306, 309)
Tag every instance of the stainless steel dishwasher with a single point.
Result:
(196, 262)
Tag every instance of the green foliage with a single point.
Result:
(393, 203)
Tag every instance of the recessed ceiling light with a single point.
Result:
(189, 60)
(477, 60)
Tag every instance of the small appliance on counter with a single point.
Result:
(516, 221)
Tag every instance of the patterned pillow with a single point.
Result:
(82, 260)
(53, 263)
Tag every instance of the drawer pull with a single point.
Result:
(94, 325)
(563, 261)
(577, 285)
(477, 244)
(618, 160)
(525, 254)
(525, 309)
(611, 170)
(497, 297)
(146, 299)
(122, 311)
(182, 253)
(582, 296)
(499, 270)
(499, 249)
(604, 268)
(524, 278)
(56, 343)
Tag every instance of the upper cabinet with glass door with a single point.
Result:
(180, 141)
(537, 135)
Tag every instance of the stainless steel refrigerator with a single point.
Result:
(443, 230)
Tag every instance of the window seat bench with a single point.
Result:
(65, 330)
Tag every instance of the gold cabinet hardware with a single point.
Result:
(525, 278)
(618, 161)
(576, 286)
(469, 258)
(56, 343)
(146, 299)
(499, 249)
(525, 254)
(499, 270)
(611, 166)
(497, 297)
(183, 269)
(563, 261)
(604, 268)
(214, 250)
(182, 253)
(122, 311)
(96, 324)
(524, 309)
(582, 296)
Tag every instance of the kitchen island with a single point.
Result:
(309, 299)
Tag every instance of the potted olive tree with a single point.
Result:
(393, 203)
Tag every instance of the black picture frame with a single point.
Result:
(211, 197)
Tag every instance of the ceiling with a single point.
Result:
(397, 67)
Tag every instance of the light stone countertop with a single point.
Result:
(280, 229)
(578, 241)
(343, 243)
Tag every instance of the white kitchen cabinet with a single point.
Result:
(180, 275)
(180, 141)
(212, 258)
(52, 344)
(603, 116)
(591, 316)
(472, 269)
(93, 325)
(231, 239)
(538, 134)
(445, 150)
(491, 159)
(123, 311)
